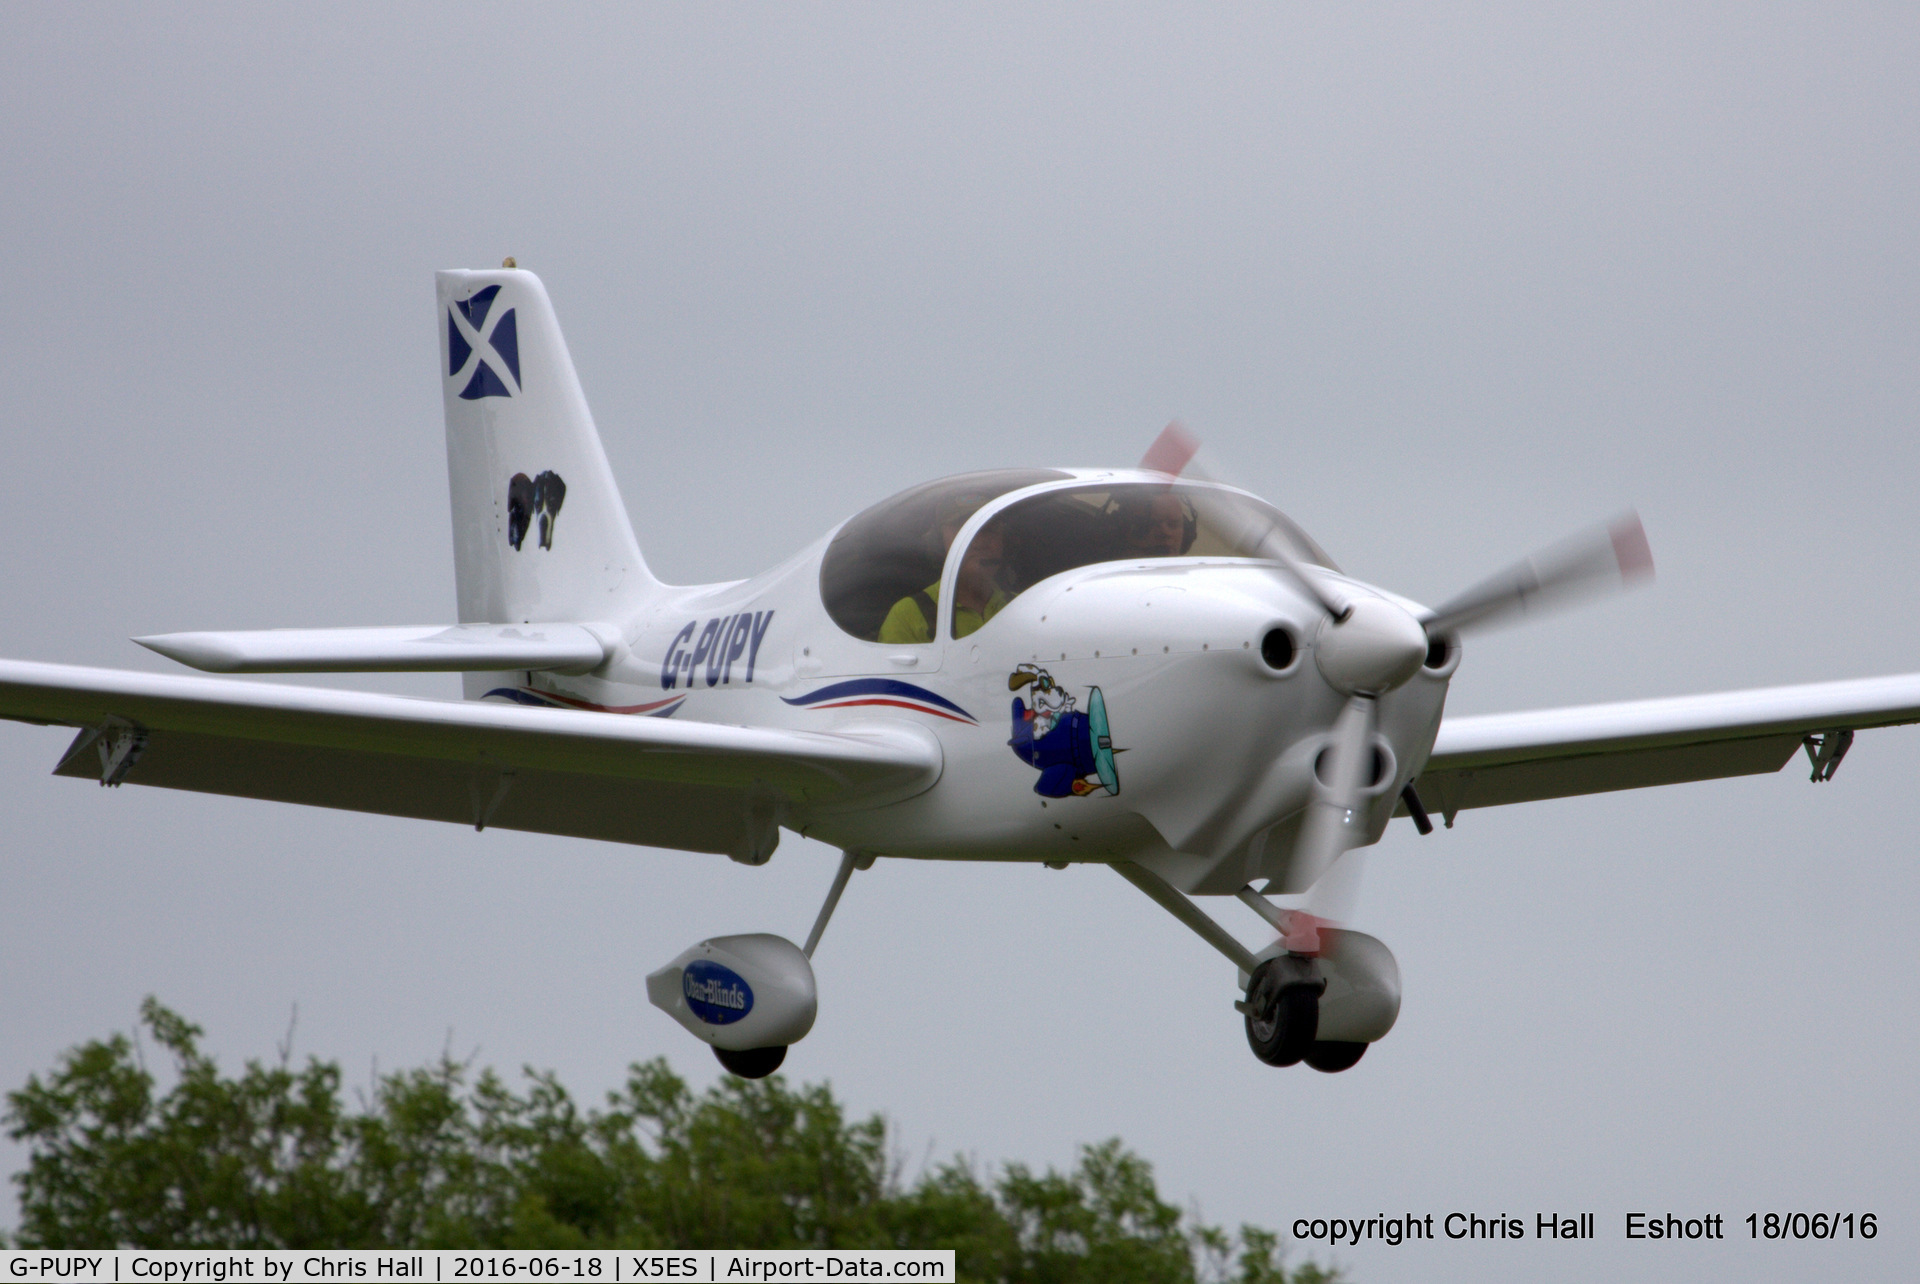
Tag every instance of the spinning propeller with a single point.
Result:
(1366, 646)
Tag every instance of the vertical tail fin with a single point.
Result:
(539, 531)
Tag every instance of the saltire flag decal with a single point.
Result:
(503, 342)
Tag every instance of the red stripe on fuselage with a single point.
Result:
(898, 704)
(605, 708)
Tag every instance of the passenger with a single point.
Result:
(977, 594)
(1160, 524)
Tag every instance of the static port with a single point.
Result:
(1277, 649)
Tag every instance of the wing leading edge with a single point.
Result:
(1492, 759)
(695, 786)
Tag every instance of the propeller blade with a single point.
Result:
(1172, 451)
(1333, 900)
(1175, 451)
(1326, 835)
(1273, 547)
(1594, 560)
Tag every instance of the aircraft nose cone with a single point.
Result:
(1376, 648)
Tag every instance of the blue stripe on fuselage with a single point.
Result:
(877, 686)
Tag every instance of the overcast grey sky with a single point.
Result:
(1443, 283)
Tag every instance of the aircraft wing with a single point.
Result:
(661, 783)
(1491, 759)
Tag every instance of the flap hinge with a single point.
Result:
(1825, 751)
(117, 743)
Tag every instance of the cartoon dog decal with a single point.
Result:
(528, 497)
(1072, 750)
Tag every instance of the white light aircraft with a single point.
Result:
(1138, 668)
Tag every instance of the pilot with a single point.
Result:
(976, 590)
(1155, 524)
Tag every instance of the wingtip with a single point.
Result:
(194, 650)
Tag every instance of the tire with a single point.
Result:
(1331, 1058)
(752, 1063)
(1282, 1015)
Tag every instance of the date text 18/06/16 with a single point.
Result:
(1759, 1226)
(1812, 1225)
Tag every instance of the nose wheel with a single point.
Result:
(1283, 1015)
(1283, 1011)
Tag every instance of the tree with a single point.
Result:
(271, 1158)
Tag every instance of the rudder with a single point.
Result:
(539, 530)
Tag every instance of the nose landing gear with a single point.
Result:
(1319, 994)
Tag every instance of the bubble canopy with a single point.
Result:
(895, 551)
(898, 547)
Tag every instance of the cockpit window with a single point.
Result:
(1063, 529)
(881, 574)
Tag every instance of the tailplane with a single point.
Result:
(539, 530)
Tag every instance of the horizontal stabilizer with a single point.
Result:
(432, 648)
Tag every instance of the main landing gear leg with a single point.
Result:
(849, 861)
(758, 1063)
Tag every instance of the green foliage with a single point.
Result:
(270, 1159)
